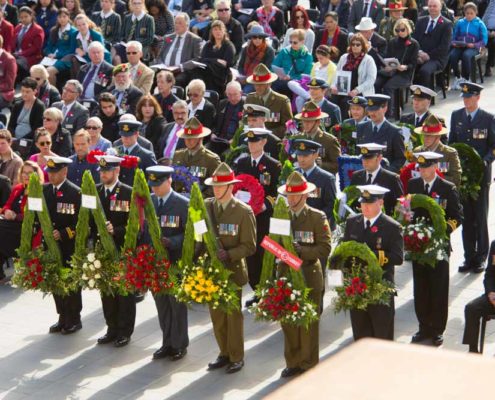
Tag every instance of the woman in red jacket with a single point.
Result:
(13, 213)
(27, 43)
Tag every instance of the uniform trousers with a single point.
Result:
(120, 314)
(172, 316)
(69, 308)
(425, 72)
(376, 321)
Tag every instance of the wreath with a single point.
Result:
(234, 153)
(255, 189)
(347, 166)
(363, 281)
(91, 156)
(287, 169)
(182, 179)
(406, 174)
(473, 169)
(343, 133)
(129, 162)
(350, 196)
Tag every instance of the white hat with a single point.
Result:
(55, 163)
(371, 193)
(127, 118)
(371, 148)
(427, 158)
(365, 24)
(108, 162)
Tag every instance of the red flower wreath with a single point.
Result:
(254, 188)
(91, 156)
(406, 174)
(129, 162)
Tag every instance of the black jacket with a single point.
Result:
(35, 118)
(436, 43)
(207, 115)
(406, 54)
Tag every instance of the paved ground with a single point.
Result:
(36, 365)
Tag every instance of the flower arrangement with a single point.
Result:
(411, 139)
(91, 156)
(403, 213)
(129, 162)
(363, 278)
(287, 169)
(344, 134)
(281, 302)
(409, 171)
(347, 166)
(183, 179)
(473, 170)
(255, 189)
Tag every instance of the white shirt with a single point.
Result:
(103, 15)
(373, 174)
(192, 110)
(110, 188)
(168, 62)
(139, 17)
(372, 221)
(435, 22)
(257, 160)
(431, 183)
(84, 41)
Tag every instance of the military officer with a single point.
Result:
(475, 127)
(266, 170)
(171, 209)
(63, 200)
(383, 235)
(431, 285)
(129, 133)
(379, 130)
(236, 231)
(256, 116)
(277, 103)
(450, 165)
(312, 243)
(115, 197)
(357, 111)
(311, 116)
(421, 101)
(374, 174)
(317, 88)
(200, 161)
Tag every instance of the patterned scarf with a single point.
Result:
(254, 55)
(264, 19)
(352, 62)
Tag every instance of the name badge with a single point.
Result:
(169, 221)
(119, 205)
(199, 172)
(265, 178)
(480, 133)
(228, 229)
(304, 237)
(315, 194)
(443, 167)
(66, 208)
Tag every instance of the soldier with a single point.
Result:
(379, 130)
(236, 231)
(266, 170)
(129, 132)
(277, 103)
(317, 88)
(255, 118)
(119, 311)
(421, 101)
(200, 161)
(312, 243)
(450, 165)
(431, 285)
(63, 200)
(475, 127)
(311, 116)
(171, 210)
(357, 111)
(373, 174)
(383, 236)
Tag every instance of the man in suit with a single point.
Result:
(180, 49)
(236, 232)
(129, 132)
(171, 209)
(379, 130)
(434, 33)
(370, 9)
(373, 174)
(480, 307)
(74, 113)
(63, 200)
(169, 142)
(421, 101)
(266, 170)
(8, 73)
(378, 43)
(383, 236)
(126, 94)
(141, 75)
(95, 76)
(312, 244)
(431, 284)
(277, 103)
(200, 161)
(450, 165)
(311, 117)
(475, 127)
(115, 197)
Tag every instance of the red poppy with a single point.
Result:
(129, 162)
(408, 42)
(60, 194)
(374, 229)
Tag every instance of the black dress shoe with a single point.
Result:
(106, 338)
(437, 340)
(122, 341)
(288, 372)
(251, 301)
(71, 329)
(235, 367)
(162, 352)
(419, 337)
(220, 362)
(465, 268)
(55, 328)
(477, 269)
(177, 354)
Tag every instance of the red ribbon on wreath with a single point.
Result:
(255, 189)
(406, 174)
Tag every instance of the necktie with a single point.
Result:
(175, 50)
(21, 36)
(160, 203)
(375, 130)
(254, 163)
(430, 26)
(88, 80)
(104, 26)
(54, 190)
(133, 29)
(368, 224)
(417, 122)
(126, 152)
(171, 144)
(305, 175)
(469, 118)
(64, 111)
(427, 189)
(366, 9)
(370, 176)
(108, 193)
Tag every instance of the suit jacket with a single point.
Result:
(142, 141)
(343, 10)
(378, 48)
(76, 117)
(172, 217)
(129, 99)
(222, 114)
(144, 78)
(479, 134)
(280, 108)
(8, 73)
(376, 13)
(451, 158)
(388, 135)
(146, 159)
(7, 32)
(102, 80)
(48, 94)
(386, 238)
(162, 142)
(386, 179)
(411, 119)
(342, 41)
(190, 51)
(207, 115)
(35, 118)
(61, 142)
(32, 43)
(436, 43)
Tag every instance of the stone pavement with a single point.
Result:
(36, 365)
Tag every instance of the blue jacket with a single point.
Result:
(471, 32)
(294, 63)
(61, 47)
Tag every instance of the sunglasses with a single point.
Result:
(356, 44)
(92, 128)
(400, 30)
(223, 9)
(45, 143)
(131, 52)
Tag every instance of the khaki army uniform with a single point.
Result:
(453, 170)
(330, 150)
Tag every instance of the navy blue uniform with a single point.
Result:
(146, 159)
